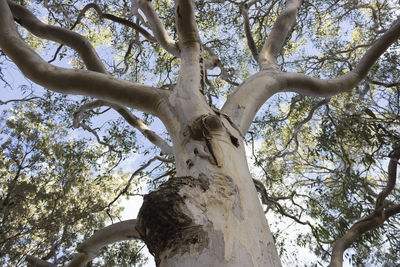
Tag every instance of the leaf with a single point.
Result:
(370, 113)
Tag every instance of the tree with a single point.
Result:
(54, 190)
(208, 212)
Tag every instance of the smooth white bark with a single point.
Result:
(102, 86)
(278, 35)
(60, 35)
(89, 249)
(243, 104)
(158, 28)
(186, 24)
(229, 211)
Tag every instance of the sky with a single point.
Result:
(132, 205)
(131, 210)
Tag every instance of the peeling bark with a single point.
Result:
(176, 225)
(163, 221)
(210, 214)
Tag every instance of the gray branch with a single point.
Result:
(374, 220)
(134, 121)
(247, 99)
(247, 32)
(158, 28)
(98, 85)
(279, 33)
(89, 249)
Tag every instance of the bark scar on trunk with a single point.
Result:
(201, 130)
(200, 137)
(163, 222)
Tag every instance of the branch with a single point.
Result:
(36, 262)
(392, 173)
(114, 18)
(82, 82)
(134, 121)
(279, 33)
(89, 249)
(375, 219)
(297, 128)
(19, 100)
(244, 103)
(125, 230)
(247, 31)
(89, 55)
(192, 72)
(158, 29)
(266, 200)
(292, 106)
(60, 35)
(92, 131)
(387, 85)
(186, 23)
(262, 191)
(389, 212)
(378, 48)
(128, 184)
(214, 61)
(139, 124)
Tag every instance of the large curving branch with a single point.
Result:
(90, 58)
(192, 70)
(279, 33)
(134, 121)
(380, 214)
(57, 34)
(158, 28)
(82, 82)
(247, 99)
(89, 249)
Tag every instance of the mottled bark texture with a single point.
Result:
(164, 221)
(174, 224)
(210, 214)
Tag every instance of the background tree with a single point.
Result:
(55, 191)
(327, 158)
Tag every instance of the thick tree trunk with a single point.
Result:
(209, 215)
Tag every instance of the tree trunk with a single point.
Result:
(209, 215)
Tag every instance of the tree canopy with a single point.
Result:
(323, 143)
(56, 191)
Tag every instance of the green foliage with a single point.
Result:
(329, 175)
(54, 189)
(124, 254)
(337, 170)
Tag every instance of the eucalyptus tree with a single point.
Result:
(205, 69)
(54, 190)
